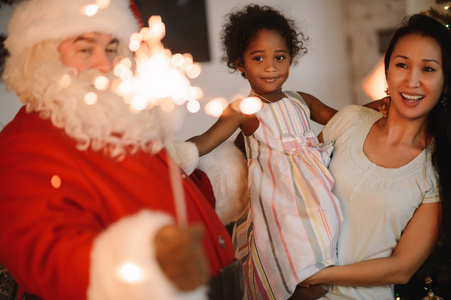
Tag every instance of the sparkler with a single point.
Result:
(159, 78)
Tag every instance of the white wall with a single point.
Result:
(9, 104)
(323, 72)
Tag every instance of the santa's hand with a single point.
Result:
(180, 255)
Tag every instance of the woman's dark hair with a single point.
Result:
(242, 26)
(439, 123)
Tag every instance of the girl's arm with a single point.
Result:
(319, 112)
(225, 126)
(417, 242)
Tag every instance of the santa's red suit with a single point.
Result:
(66, 213)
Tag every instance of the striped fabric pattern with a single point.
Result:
(290, 229)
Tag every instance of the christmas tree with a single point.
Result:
(443, 15)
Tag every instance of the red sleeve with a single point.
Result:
(203, 183)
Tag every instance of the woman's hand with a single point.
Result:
(311, 292)
(180, 255)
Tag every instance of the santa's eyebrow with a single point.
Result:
(91, 39)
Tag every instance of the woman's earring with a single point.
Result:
(444, 101)
(387, 92)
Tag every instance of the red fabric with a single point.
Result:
(46, 232)
(201, 180)
(136, 13)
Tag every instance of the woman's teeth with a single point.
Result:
(410, 98)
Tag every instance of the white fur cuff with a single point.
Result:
(123, 264)
(226, 168)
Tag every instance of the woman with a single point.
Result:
(392, 195)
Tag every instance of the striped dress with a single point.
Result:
(290, 229)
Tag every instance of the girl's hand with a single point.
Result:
(384, 104)
(180, 255)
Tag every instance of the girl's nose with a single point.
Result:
(270, 66)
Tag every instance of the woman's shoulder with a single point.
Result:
(348, 117)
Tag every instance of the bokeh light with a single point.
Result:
(101, 83)
(90, 10)
(250, 105)
(216, 106)
(131, 273)
(65, 81)
(91, 98)
(55, 181)
(193, 106)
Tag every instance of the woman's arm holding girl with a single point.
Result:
(416, 244)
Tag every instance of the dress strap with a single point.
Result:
(295, 97)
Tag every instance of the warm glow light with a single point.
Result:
(136, 37)
(193, 106)
(125, 88)
(194, 92)
(134, 45)
(250, 105)
(103, 3)
(177, 60)
(55, 181)
(446, 7)
(374, 84)
(139, 103)
(65, 81)
(193, 71)
(146, 33)
(188, 60)
(91, 10)
(154, 20)
(90, 98)
(131, 273)
(157, 27)
(126, 62)
(101, 83)
(216, 106)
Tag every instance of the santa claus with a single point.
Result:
(87, 205)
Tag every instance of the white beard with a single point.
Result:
(107, 125)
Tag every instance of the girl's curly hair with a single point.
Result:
(241, 28)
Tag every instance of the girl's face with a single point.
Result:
(415, 76)
(266, 62)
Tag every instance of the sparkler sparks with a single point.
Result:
(158, 77)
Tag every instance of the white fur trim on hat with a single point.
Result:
(226, 168)
(35, 21)
(129, 241)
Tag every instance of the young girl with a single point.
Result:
(290, 229)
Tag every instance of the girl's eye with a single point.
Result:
(258, 58)
(281, 57)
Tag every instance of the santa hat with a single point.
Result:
(35, 21)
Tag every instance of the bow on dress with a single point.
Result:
(296, 144)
